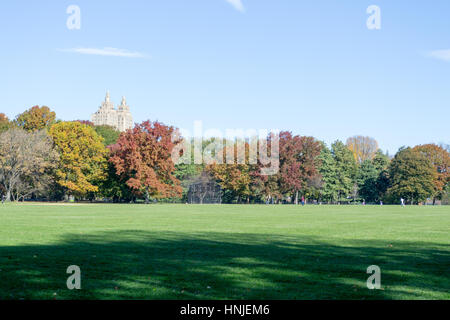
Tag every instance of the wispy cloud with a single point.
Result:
(113, 52)
(237, 4)
(440, 54)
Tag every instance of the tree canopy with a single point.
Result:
(27, 161)
(363, 148)
(412, 177)
(108, 133)
(142, 159)
(36, 118)
(82, 161)
(440, 159)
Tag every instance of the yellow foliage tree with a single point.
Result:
(363, 148)
(82, 157)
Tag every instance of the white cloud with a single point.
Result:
(237, 4)
(114, 52)
(441, 54)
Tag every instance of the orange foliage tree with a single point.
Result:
(36, 118)
(234, 175)
(142, 159)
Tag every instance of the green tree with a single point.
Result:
(372, 177)
(108, 133)
(328, 171)
(367, 181)
(412, 177)
(380, 161)
(5, 124)
(113, 187)
(346, 168)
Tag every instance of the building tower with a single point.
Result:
(121, 119)
(124, 117)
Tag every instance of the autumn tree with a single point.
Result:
(27, 161)
(412, 176)
(142, 159)
(298, 162)
(86, 122)
(440, 158)
(82, 161)
(36, 118)
(266, 187)
(363, 148)
(5, 124)
(234, 177)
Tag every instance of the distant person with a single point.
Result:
(364, 202)
(402, 201)
(303, 200)
(381, 203)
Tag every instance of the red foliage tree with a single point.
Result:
(142, 159)
(298, 162)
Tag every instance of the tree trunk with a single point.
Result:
(296, 197)
(147, 197)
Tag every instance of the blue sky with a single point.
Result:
(312, 67)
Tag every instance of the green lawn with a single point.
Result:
(223, 252)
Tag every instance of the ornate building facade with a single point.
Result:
(107, 114)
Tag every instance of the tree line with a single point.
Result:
(42, 158)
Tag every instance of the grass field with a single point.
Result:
(223, 252)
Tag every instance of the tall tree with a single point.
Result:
(412, 177)
(82, 161)
(367, 178)
(346, 169)
(36, 118)
(440, 158)
(26, 162)
(372, 177)
(330, 176)
(142, 158)
(380, 161)
(298, 162)
(266, 183)
(363, 148)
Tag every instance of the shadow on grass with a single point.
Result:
(164, 265)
